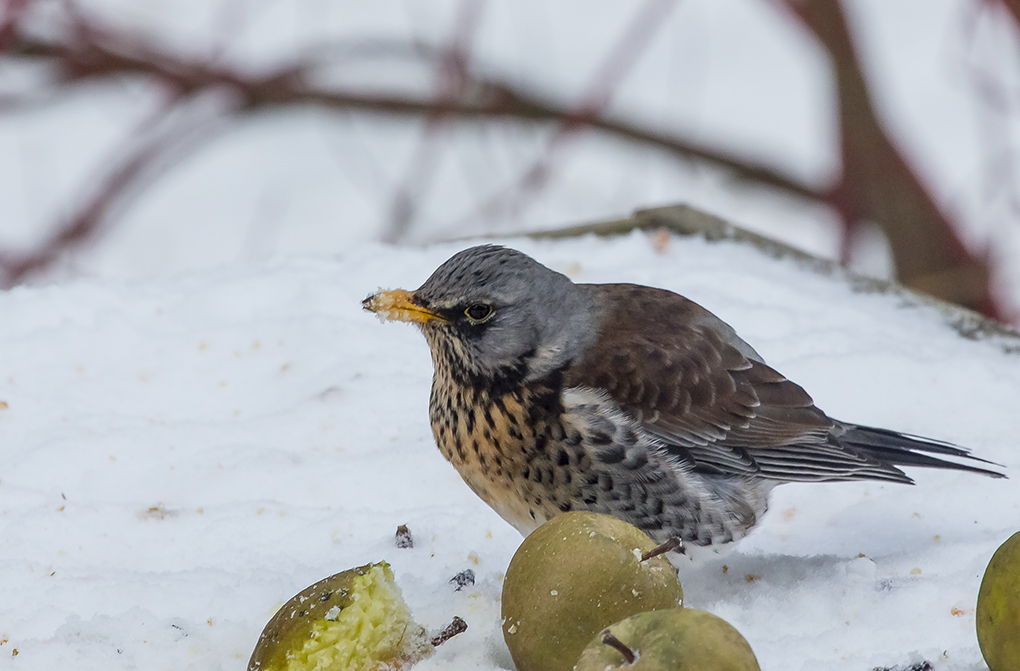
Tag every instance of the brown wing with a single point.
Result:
(707, 395)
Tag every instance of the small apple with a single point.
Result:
(573, 576)
(998, 608)
(661, 640)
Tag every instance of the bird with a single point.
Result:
(550, 396)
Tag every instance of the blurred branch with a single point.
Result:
(878, 185)
(143, 161)
(621, 59)
(1013, 7)
(86, 53)
(452, 80)
(12, 13)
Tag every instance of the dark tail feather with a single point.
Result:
(900, 449)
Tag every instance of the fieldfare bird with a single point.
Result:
(550, 396)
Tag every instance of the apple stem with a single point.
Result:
(672, 543)
(612, 641)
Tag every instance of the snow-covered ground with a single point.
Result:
(180, 456)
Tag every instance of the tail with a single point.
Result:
(899, 449)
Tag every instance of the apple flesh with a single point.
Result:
(355, 620)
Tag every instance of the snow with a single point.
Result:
(181, 455)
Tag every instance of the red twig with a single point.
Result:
(11, 12)
(142, 162)
(1013, 7)
(609, 76)
(878, 184)
(85, 52)
(452, 80)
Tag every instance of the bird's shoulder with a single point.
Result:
(687, 377)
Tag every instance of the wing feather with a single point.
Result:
(708, 396)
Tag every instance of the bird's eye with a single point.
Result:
(478, 311)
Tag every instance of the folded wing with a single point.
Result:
(714, 404)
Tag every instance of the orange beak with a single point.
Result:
(398, 305)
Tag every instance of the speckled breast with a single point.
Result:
(510, 446)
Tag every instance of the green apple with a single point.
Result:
(998, 608)
(351, 621)
(573, 576)
(665, 640)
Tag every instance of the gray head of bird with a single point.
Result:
(493, 310)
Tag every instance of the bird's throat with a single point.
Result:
(497, 434)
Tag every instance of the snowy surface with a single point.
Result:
(182, 455)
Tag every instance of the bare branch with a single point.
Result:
(614, 69)
(289, 86)
(85, 52)
(1013, 7)
(878, 184)
(142, 161)
(452, 81)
